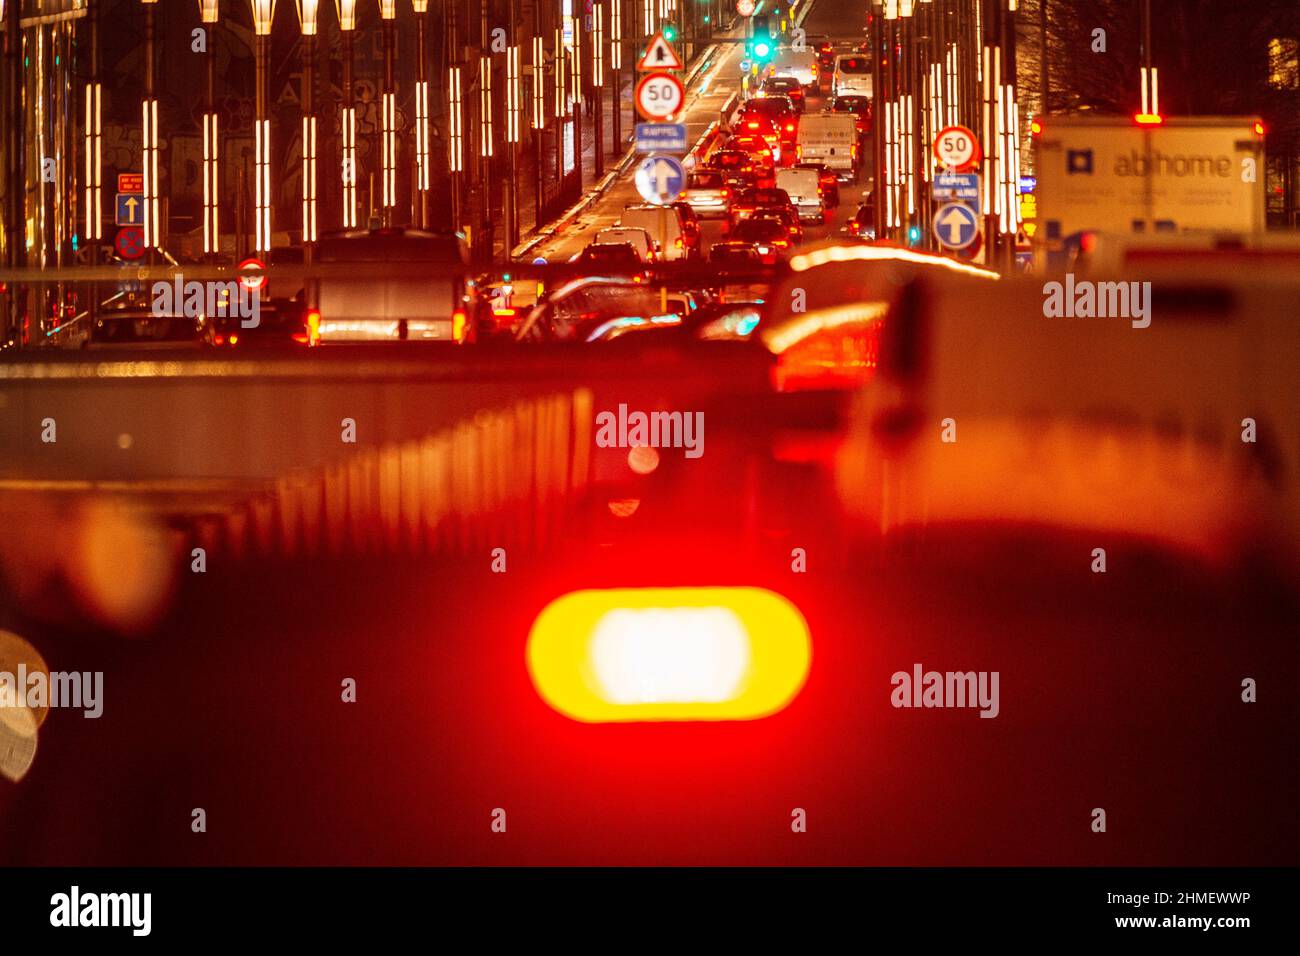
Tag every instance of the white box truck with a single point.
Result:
(830, 139)
(1120, 175)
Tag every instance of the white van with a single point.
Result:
(830, 139)
(804, 189)
(664, 225)
(638, 239)
(852, 75)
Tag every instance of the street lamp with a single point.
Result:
(263, 14)
(149, 135)
(388, 113)
(347, 11)
(308, 18)
(422, 158)
(209, 14)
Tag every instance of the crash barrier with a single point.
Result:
(502, 477)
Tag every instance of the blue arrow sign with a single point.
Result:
(130, 209)
(661, 138)
(956, 225)
(964, 186)
(659, 179)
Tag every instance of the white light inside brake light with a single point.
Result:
(679, 656)
(652, 654)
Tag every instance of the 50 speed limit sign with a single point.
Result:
(659, 96)
(956, 147)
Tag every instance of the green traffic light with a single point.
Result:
(762, 49)
(669, 31)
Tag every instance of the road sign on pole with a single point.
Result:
(956, 225)
(129, 242)
(661, 138)
(961, 186)
(745, 7)
(659, 179)
(130, 209)
(956, 147)
(252, 283)
(659, 96)
(659, 55)
(130, 182)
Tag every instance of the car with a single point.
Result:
(826, 55)
(618, 256)
(779, 110)
(746, 204)
(803, 66)
(708, 194)
(755, 124)
(784, 86)
(281, 323)
(768, 235)
(863, 223)
(585, 309)
(665, 225)
(852, 75)
(828, 181)
(805, 190)
(638, 238)
(398, 284)
(140, 326)
(736, 163)
(691, 226)
(859, 106)
(735, 254)
(783, 214)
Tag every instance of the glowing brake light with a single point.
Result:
(313, 326)
(458, 325)
(669, 654)
(1259, 131)
(1149, 119)
(1035, 127)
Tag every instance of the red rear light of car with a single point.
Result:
(658, 654)
(313, 327)
(678, 242)
(789, 127)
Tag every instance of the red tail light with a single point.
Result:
(789, 127)
(458, 321)
(751, 126)
(313, 326)
(678, 242)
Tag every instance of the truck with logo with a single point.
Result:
(1145, 175)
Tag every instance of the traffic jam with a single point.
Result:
(844, 452)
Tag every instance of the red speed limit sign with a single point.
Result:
(956, 147)
(659, 96)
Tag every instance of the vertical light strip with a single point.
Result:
(456, 161)
(575, 58)
(309, 232)
(262, 146)
(389, 149)
(648, 15)
(422, 158)
(211, 185)
(986, 133)
(514, 94)
(149, 132)
(539, 83)
(561, 103)
(94, 161)
(616, 35)
(485, 105)
(349, 167)
(598, 44)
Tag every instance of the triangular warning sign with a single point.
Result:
(659, 55)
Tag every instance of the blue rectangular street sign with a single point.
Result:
(661, 138)
(130, 209)
(961, 186)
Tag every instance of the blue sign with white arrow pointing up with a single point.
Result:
(660, 179)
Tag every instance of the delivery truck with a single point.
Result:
(1146, 175)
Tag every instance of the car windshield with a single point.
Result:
(855, 65)
(761, 230)
(705, 181)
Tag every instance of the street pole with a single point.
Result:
(209, 14)
(149, 137)
(307, 12)
(348, 119)
(598, 80)
(616, 65)
(878, 108)
(539, 113)
(388, 115)
(514, 124)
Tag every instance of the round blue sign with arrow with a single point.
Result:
(956, 225)
(659, 179)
